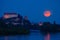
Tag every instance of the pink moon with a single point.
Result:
(47, 13)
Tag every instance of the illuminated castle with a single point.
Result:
(9, 15)
(12, 18)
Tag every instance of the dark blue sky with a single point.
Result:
(33, 9)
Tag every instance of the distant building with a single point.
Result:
(26, 22)
(40, 23)
(9, 15)
(12, 18)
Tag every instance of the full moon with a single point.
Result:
(47, 13)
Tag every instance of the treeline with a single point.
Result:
(21, 25)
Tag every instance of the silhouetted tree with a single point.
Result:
(26, 22)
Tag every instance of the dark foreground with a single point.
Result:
(34, 35)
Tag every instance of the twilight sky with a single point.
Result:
(34, 9)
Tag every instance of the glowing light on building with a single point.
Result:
(6, 16)
(10, 15)
(40, 23)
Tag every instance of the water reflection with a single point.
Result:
(47, 37)
(34, 35)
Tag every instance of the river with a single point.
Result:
(34, 35)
